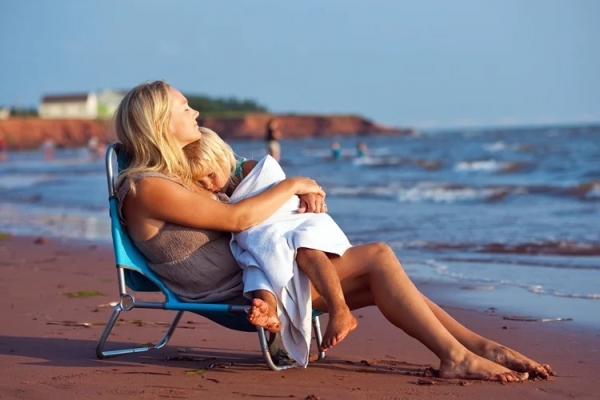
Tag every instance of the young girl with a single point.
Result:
(272, 246)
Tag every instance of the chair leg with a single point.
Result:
(101, 353)
(318, 337)
(264, 346)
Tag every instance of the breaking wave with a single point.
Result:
(548, 288)
(550, 247)
(434, 192)
(491, 166)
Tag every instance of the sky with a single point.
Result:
(419, 63)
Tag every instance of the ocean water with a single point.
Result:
(508, 219)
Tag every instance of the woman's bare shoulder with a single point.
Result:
(248, 166)
(155, 187)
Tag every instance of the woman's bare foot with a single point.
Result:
(261, 314)
(472, 366)
(341, 323)
(516, 361)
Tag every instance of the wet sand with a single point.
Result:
(47, 352)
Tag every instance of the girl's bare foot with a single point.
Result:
(341, 323)
(471, 366)
(516, 361)
(261, 314)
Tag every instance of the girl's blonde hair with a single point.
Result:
(142, 124)
(210, 155)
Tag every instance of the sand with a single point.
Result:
(47, 352)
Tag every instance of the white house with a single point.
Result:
(81, 105)
(4, 112)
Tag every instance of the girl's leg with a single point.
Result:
(325, 280)
(374, 275)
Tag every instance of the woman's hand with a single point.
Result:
(312, 203)
(312, 196)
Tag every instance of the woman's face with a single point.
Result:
(183, 122)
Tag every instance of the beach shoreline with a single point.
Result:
(47, 352)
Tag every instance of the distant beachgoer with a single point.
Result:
(272, 137)
(95, 147)
(336, 150)
(101, 149)
(92, 143)
(48, 148)
(362, 150)
(3, 148)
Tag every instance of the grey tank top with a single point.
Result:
(195, 264)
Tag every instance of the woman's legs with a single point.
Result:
(371, 274)
(487, 348)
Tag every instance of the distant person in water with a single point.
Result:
(272, 137)
(48, 148)
(96, 147)
(336, 151)
(362, 150)
(3, 148)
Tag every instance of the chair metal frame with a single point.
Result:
(134, 274)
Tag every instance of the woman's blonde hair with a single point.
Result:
(210, 155)
(142, 124)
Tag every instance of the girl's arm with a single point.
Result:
(158, 200)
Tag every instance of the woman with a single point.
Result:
(184, 233)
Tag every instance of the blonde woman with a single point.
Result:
(184, 232)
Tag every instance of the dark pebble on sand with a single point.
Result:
(41, 240)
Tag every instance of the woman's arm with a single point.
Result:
(309, 202)
(157, 200)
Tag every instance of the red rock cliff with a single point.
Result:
(298, 126)
(28, 133)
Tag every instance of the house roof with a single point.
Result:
(118, 91)
(63, 98)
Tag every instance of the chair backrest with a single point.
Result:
(138, 276)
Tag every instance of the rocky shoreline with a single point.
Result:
(29, 133)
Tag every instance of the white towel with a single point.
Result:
(268, 251)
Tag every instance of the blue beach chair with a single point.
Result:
(133, 274)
